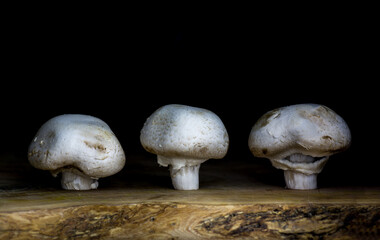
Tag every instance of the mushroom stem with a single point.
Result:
(300, 181)
(183, 171)
(186, 177)
(74, 181)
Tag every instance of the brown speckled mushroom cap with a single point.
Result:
(309, 129)
(83, 143)
(176, 130)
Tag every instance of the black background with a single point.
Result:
(121, 65)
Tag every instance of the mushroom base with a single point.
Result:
(183, 171)
(74, 181)
(300, 181)
(185, 178)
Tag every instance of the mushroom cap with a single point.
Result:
(183, 131)
(77, 141)
(308, 129)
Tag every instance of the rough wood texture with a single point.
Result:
(139, 203)
(194, 221)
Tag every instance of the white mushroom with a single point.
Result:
(81, 147)
(183, 137)
(299, 139)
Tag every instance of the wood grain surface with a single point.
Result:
(140, 203)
